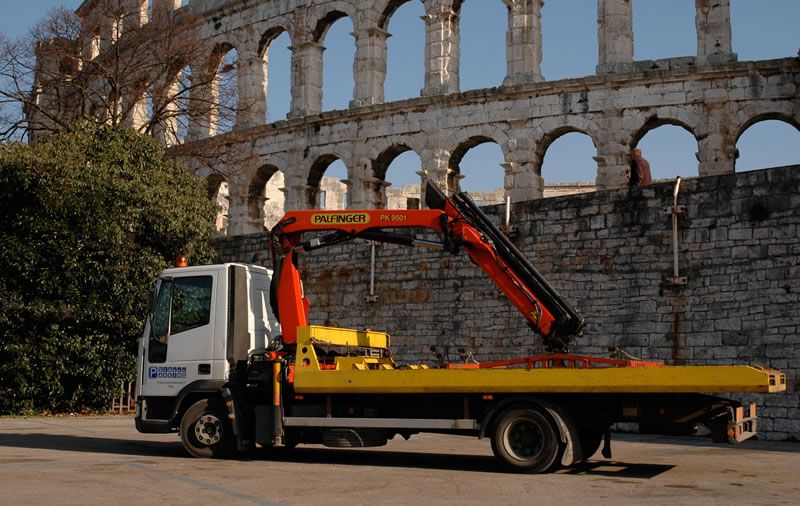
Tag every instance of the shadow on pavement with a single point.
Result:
(92, 445)
(701, 441)
(313, 455)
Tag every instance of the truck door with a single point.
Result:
(179, 348)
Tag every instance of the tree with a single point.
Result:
(118, 67)
(88, 219)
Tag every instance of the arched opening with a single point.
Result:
(219, 194)
(483, 25)
(476, 168)
(399, 167)
(664, 29)
(265, 197)
(275, 49)
(569, 39)
(334, 31)
(764, 30)
(670, 147)
(567, 162)
(226, 89)
(768, 142)
(327, 184)
(405, 70)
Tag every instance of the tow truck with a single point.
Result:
(229, 360)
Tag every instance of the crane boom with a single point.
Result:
(461, 225)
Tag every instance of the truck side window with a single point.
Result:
(191, 303)
(182, 304)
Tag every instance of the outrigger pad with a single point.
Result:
(434, 197)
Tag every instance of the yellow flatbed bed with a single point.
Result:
(365, 375)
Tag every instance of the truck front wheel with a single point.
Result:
(206, 431)
(526, 440)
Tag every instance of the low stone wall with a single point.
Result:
(610, 253)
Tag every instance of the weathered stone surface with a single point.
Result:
(710, 94)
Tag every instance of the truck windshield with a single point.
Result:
(159, 322)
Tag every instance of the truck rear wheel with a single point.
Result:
(206, 431)
(526, 440)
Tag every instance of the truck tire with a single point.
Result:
(526, 440)
(206, 431)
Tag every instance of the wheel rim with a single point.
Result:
(208, 429)
(524, 440)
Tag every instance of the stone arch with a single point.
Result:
(389, 8)
(315, 175)
(679, 118)
(492, 132)
(258, 199)
(322, 23)
(219, 49)
(378, 147)
(457, 155)
(404, 72)
(547, 140)
(744, 126)
(380, 167)
(276, 77)
(270, 34)
(766, 116)
(654, 121)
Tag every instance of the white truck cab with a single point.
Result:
(188, 338)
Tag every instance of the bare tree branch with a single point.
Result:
(157, 77)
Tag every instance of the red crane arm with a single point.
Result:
(460, 223)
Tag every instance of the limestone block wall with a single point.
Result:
(609, 252)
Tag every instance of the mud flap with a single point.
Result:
(568, 433)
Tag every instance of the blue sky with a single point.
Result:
(762, 29)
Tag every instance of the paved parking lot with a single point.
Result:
(94, 460)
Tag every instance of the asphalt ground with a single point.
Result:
(103, 460)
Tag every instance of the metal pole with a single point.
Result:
(372, 270)
(675, 270)
(508, 210)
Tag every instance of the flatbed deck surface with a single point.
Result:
(679, 379)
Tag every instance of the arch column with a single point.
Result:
(252, 86)
(713, 22)
(613, 155)
(166, 5)
(165, 108)
(524, 41)
(521, 181)
(369, 66)
(297, 192)
(359, 191)
(436, 168)
(615, 36)
(306, 79)
(134, 15)
(239, 222)
(135, 108)
(441, 52)
(203, 105)
(374, 190)
(716, 150)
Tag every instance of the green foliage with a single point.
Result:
(87, 220)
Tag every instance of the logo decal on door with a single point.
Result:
(167, 373)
